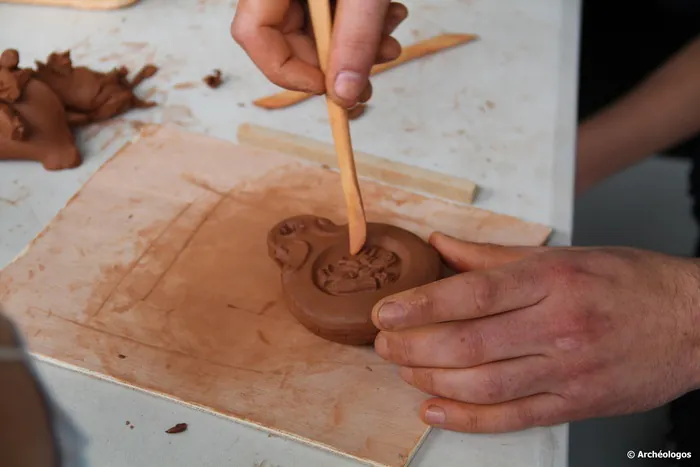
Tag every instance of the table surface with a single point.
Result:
(500, 112)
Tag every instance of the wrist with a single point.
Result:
(690, 326)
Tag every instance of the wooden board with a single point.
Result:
(156, 275)
(79, 4)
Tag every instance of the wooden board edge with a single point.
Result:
(401, 175)
(417, 447)
(145, 131)
(241, 421)
(78, 4)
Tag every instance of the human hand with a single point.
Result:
(278, 37)
(542, 336)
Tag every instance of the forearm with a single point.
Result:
(662, 111)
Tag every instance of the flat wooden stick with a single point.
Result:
(412, 52)
(322, 24)
(386, 171)
(78, 4)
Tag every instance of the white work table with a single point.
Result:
(500, 112)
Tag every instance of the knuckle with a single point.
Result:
(423, 307)
(425, 379)
(564, 271)
(468, 420)
(471, 345)
(523, 416)
(239, 32)
(483, 292)
(401, 348)
(492, 388)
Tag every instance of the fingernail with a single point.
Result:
(391, 315)
(349, 85)
(434, 415)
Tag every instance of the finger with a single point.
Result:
(257, 27)
(467, 256)
(357, 111)
(468, 295)
(395, 15)
(464, 344)
(366, 94)
(492, 383)
(538, 410)
(303, 47)
(389, 50)
(357, 34)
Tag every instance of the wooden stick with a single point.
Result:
(412, 52)
(79, 4)
(397, 174)
(357, 224)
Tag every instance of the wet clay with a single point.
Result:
(33, 123)
(331, 292)
(214, 80)
(92, 96)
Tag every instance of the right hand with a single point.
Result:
(277, 35)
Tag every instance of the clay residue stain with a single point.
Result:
(17, 200)
(179, 115)
(338, 415)
(262, 337)
(135, 46)
(186, 85)
(267, 306)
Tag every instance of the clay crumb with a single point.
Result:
(368, 368)
(241, 104)
(121, 356)
(128, 423)
(213, 80)
(179, 428)
(131, 427)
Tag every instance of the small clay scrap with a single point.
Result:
(213, 80)
(92, 96)
(33, 124)
(38, 107)
(179, 428)
(331, 292)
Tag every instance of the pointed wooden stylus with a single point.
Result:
(321, 19)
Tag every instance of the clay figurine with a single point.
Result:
(331, 292)
(33, 122)
(88, 95)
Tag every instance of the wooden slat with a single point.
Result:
(412, 52)
(368, 166)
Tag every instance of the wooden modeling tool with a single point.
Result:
(412, 52)
(322, 24)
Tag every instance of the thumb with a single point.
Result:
(357, 34)
(467, 256)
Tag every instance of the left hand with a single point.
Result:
(530, 337)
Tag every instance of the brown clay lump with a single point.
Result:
(33, 122)
(88, 95)
(213, 80)
(331, 292)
